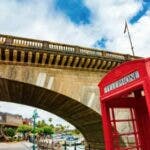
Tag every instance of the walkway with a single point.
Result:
(16, 146)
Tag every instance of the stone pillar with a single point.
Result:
(81, 62)
(51, 58)
(93, 63)
(29, 57)
(57, 60)
(76, 62)
(63, 60)
(14, 56)
(37, 56)
(98, 64)
(69, 61)
(22, 56)
(44, 58)
(87, 63)
(6, 54)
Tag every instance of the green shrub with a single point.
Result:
(10, 132)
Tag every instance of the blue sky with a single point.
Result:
(145, 7)
(75, 10)
(88, 23)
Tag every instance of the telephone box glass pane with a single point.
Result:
(124, 129)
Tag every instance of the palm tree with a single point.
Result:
(50, 120)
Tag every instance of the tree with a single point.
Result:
(59, 128)
(39, 130)
(10, 132)
(41, 123)
(24, 129)
(50, 120)
(48, 130)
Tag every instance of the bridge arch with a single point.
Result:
(59, 69)
(82, 117)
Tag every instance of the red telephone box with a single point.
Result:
(125, 104)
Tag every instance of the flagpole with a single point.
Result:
(132, 48)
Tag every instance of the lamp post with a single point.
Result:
(35, 116)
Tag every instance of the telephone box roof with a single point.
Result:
(124, 76)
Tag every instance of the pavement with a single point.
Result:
(27, 146)
(16, 146)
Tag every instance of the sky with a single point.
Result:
(89, 23)
(27, 112)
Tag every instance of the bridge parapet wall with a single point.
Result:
(54, 54)
(39, 44)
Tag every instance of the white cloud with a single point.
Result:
(39, 19)
(141, 32)
(109, 18)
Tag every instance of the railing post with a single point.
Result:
(45, 45)
(9, 40)
(75, 146)
(65, 146)
(77, 49)
(103, 54)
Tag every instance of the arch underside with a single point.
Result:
(85, 119)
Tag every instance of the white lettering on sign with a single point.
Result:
(123, 81)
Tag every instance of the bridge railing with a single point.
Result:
(46, 45)
(27, 43)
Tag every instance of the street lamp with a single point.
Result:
(35, 116)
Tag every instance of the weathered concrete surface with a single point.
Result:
(76, 84)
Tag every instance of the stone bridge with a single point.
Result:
(59, 78)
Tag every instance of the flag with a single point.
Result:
(126, 26)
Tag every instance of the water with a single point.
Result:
(80, 147)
